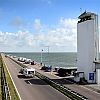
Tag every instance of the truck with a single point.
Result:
(28, 72)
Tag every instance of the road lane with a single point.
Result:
(81, 89)
(32, 88)
(90, 94)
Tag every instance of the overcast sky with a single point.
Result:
(32, 25)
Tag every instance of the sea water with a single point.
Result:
(63, 59)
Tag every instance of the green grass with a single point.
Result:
(0, 86)
(0, 83)
(13, 93)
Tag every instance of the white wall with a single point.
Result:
(87, 47)
(98, 76)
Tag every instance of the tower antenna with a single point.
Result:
(81, 10)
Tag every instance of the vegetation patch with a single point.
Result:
(13, 93)
(0, 82)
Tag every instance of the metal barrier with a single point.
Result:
(4, 84)
(68, 92)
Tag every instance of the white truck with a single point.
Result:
(28, 72)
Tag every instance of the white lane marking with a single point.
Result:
(90, 90)
(29, 82)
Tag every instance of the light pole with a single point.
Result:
(48, 54)
(41, 56)
(49, 59)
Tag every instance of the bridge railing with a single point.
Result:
(5, 88)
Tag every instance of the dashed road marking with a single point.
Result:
(90, 89)
(29, 82)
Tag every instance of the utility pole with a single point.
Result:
(48, 54)
(41, 56)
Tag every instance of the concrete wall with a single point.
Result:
(87, 46)
(98, 76)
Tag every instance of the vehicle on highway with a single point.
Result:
(21, 59)
(47, 68)
(33, 63)
(28, 72)
(28, 61)
(21, 70)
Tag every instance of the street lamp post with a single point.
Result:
(41, 56)
(48, 54)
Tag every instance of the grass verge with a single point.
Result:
(0, 82)
(13, 93)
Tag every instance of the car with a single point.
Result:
(28, 61)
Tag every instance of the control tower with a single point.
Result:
(87, 46)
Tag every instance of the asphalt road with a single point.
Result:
(81, 89)
(32, 88)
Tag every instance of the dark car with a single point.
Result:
(32, 63)
(21, 70)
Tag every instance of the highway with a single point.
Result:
(81, 89)
(32, 88)
(42, 88)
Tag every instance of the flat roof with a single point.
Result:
(67, 67)
(86, 14)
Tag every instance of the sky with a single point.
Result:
(33, 25)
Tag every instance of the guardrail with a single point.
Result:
(22, 65)
(66, 91)
(5, 88)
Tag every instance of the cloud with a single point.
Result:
(37, 24)
(68, 23)
(63, 36)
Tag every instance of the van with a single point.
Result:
(29, 72)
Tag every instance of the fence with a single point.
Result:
(4, 84)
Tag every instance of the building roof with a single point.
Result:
(86, 14)
(67, 67)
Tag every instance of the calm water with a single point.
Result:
(54, 59)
